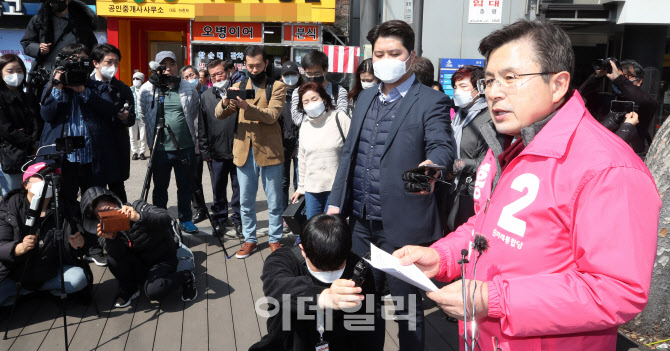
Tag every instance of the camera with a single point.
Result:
(76, 69)
(618, 106)
(604, 64)
(243, 94)
(160, 79)
(39, 77)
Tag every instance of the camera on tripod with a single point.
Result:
(159, 78)
(76, 70)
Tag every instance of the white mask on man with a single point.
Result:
(462, 98)
(137, 83)
(390, 70)
(222, 85)
(326, 277)
(107, 72)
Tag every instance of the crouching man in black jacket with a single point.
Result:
(316, 276)
(145, 255)
(32, 257)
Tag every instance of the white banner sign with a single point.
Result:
(485, 11)
(409, 11)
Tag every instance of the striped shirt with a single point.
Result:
(75, 125)
(342, 103)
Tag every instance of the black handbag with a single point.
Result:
(295, 217)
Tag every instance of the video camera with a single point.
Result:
(604, 64)
(39, 77)
(159, 78)
(76, 69)
(619, 106)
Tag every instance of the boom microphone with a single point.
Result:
(154, 65)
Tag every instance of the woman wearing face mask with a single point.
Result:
(320, 147)
(364, 79)
(19, 122)
(32, 258)
(470, 145)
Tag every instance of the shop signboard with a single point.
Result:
(485, 11)
(302, 33)
(450, 65)
(146, 10)
(228, 32)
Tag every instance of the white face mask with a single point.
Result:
(107, 72)
(315, 109)
(290, 80)
(367, 85)
(390, 70)
(326, 277)
(36, 189)
(462, 98)
(137, 83)
(193, 82)
(14, 79)
(222, 85)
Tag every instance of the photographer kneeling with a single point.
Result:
(320, 274)
(144, 255)
(32, 259)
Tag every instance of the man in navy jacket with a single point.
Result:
(396, 126)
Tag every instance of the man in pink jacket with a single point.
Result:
(569, 211)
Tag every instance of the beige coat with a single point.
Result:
(258, 126)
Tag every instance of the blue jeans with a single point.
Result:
(164, 161)
(271, 176)
(9, 182)
(75, 280)
(316, 203)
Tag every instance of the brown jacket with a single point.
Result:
(258, 125)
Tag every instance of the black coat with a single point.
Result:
(121, 94)
(421, 130)
(20, 129)
(43, 262)
(285, 273)
(473, 150)
(40, 30)
(215, 136)
(101, 118)
(150, 238)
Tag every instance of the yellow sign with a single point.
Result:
(150, 9)
(223, 10)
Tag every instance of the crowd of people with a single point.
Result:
(503, 160)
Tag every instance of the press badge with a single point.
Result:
(322, 346)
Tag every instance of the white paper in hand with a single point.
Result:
(410, 274)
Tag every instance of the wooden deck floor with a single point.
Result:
(221, 318)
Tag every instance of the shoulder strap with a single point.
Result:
(339, 127)
(243, 83)
(269, 84)
(336, 93)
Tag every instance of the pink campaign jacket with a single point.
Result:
(572, 227)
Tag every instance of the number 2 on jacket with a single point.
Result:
(507, 220)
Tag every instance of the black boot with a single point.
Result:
(200, 216)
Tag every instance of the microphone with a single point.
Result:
(154, 65)
(481, 243)
(464, 252)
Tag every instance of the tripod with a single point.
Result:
(35, 213)
(159, 139)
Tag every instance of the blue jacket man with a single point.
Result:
(396, 126)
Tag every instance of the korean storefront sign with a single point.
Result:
(485, 11)
(302, 33)
(228, 32)
(151, 10)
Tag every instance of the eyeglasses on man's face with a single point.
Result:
(508, 84)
